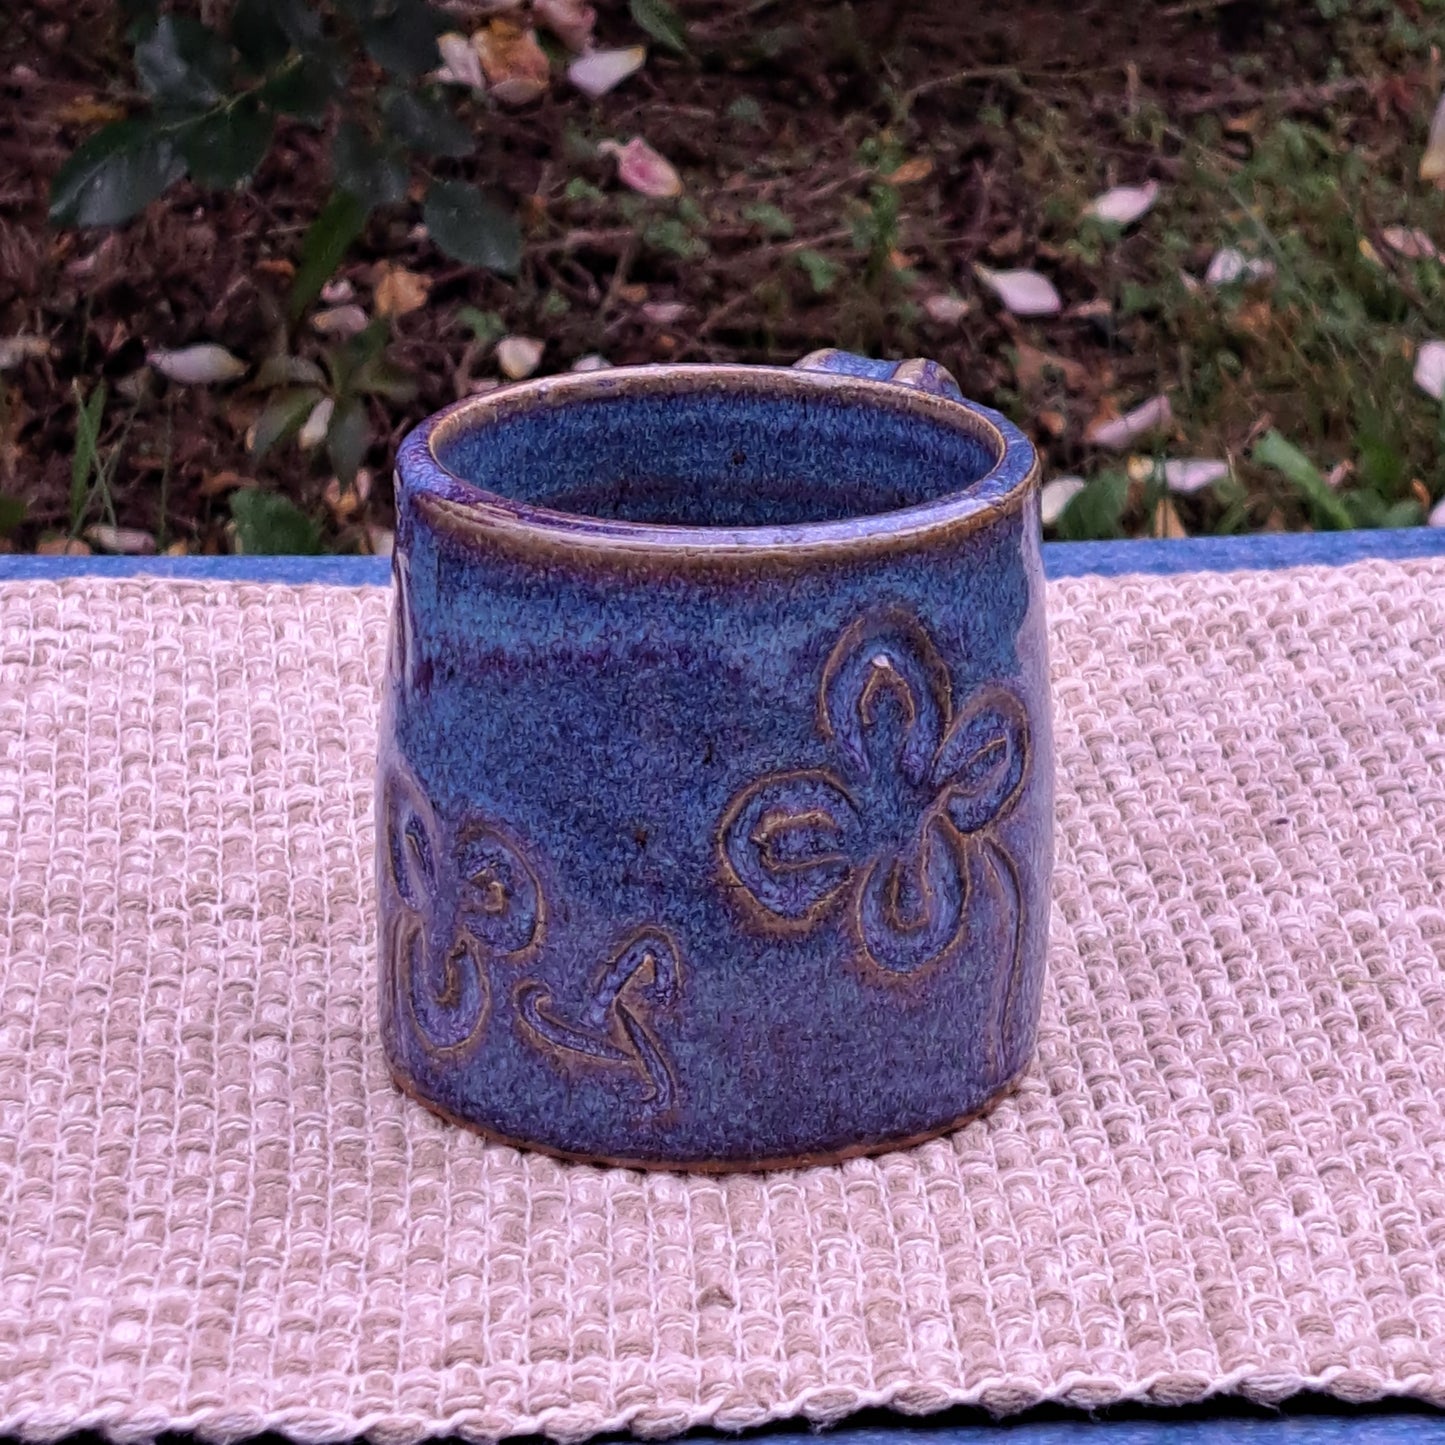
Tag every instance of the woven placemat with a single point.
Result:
(1225, 1171)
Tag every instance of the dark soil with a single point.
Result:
(956, 90)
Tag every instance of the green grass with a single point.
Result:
(1314, 367)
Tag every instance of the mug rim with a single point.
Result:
(474, 513)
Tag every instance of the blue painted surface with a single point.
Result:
(1394, 1428)
(683, 854)
(712, 457)
(297, 571)
(1256, 553)
(1061, 559)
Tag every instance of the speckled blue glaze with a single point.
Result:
(715, 783)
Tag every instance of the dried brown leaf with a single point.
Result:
(399, 292)
(1166, 521)
(917, 169)
(1032, 368)
(89, 110)
(514, 64)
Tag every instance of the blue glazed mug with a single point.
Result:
(715, 785)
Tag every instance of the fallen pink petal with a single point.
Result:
(571, 21)
(1228, 266)
(1118, 432)
(461, 65)
(1024, 293)
(1123, 205)
(599, 71)
(127, 541)
(642, 169)
(1056, 495)
(1410, 242)
(199, 365)
(1193, 474)
(341, 321)
(519, 356)
(664, 313)
(1430, 369)
(1432, 159)
(946, 310)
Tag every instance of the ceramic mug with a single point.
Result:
(715, 794)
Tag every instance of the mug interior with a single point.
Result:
(713, 457)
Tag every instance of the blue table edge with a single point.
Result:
(1328, 1422)
(1061, 559)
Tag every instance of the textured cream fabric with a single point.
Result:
(1226, 1170)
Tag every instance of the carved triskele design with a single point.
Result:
(643, 975)
(462, 909)
(479, 905)
(905, 832)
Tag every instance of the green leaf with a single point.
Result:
(1369, 509)
(822, 272)
(348, 439)
(183, 63)
(138, 13)
(265, 30)
(403, 41)
(257, 34)
(662, 22)
(769, 220)
(118, 172)
(280, 370)
(1365, 508)
(584, 191)
(1403, 514)
(1379, 466)
(426, 124)
(368, 345)
(780, 40)
(306, 84)
(1094, 514)
(470, 228)
(347, 361)
(12, 513)
(225, 147)
(328, 240)
(673, 235)
(375, 176)
(284, 415)
(746, 111)
(268, 524)
(85, 459)
(1281, 455)
(485, 326)
(379, 377)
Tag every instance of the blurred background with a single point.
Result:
(1190, 247)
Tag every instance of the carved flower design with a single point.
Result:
(904, 833)
(462, 908)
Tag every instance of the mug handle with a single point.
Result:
(922, 375)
